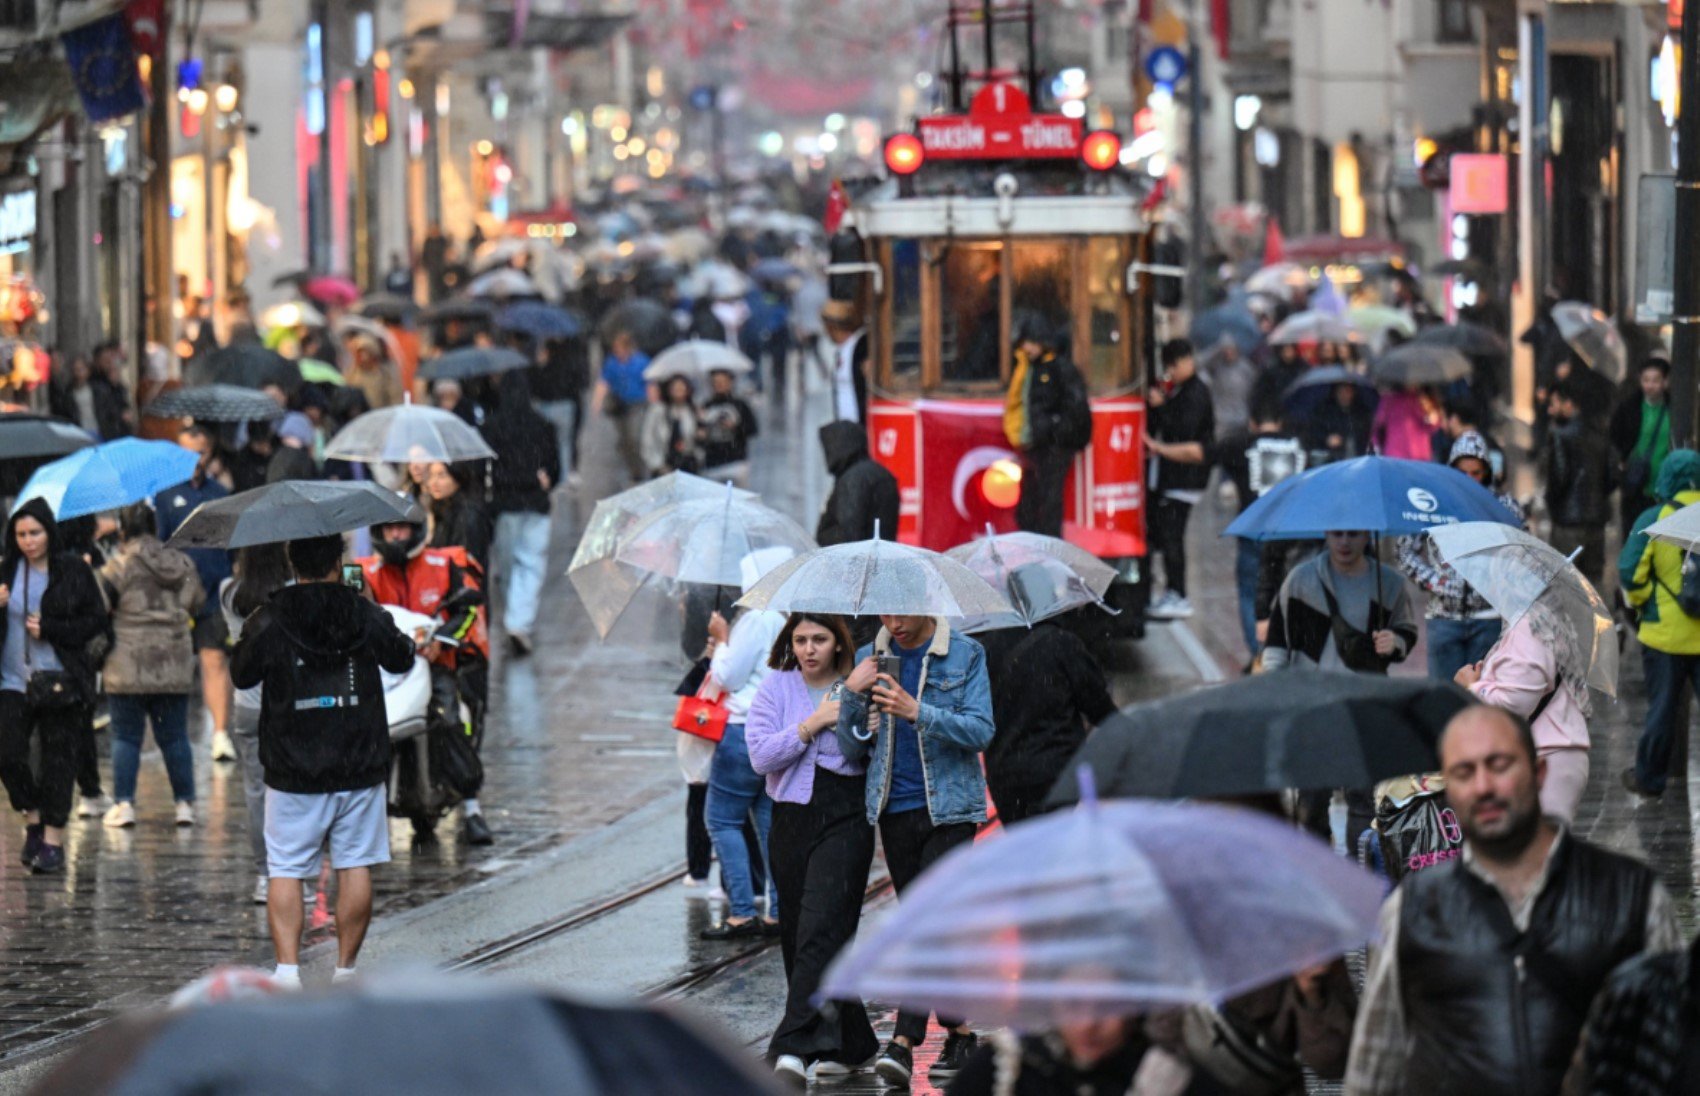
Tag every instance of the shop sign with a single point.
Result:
(1479, 183)
(17, 220)
(1655, 249)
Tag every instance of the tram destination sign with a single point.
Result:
(1000, 125)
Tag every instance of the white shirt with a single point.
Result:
(740, 663)
(844, 404)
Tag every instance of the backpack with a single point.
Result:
(1074, 424)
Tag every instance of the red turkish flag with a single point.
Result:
(1274, 244)
(837, 204)
(146, 20)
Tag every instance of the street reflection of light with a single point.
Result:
(827, 143)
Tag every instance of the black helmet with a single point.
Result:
(397, 553)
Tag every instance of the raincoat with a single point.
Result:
(155, 594)
(1650, 571)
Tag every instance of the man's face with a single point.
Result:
(1181, 370)
(397, 534)
(1492, 784)
(1030, 349)
(722, 383)
(201, 447)
(908, 631)
(1346, 547)
(623, 345)
(1475, 469)
(1654, 385)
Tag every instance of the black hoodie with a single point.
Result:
(73, 612)
(525, 444)
(863, 492)
(317, 648)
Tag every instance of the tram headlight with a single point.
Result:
(1101, 150)
(903, 153)
(1000, 486)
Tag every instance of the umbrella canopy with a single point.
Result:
(1522, 575)
(706, 539)
(1593, 336)
(1226, 321)
(605, 585)
(1417, 363)
(1313, 326)
(874, 577)
(215, 403)
(413, 1034)
(1108, 910)
(503, 282)
(386, 306)
(1280, 280)
(472, 361)
(540, 321)
(645, 320)
(1471, 339)
(246, 365)
(1042, 576)
(108, 476)
(24, 436)
(1304, 729)
(696, 359)
(409, 432)
(1372, 320)
(1327, 376)
(292, 510)
(774, 270)
(467, 309)
(1375, 494)
(292, 314)
(314, 371)
(715, 280)
(331, 289)
(1681, 529)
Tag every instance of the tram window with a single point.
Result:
(1104, 361)
(1043, 286)
(905, 315)
(970, 346)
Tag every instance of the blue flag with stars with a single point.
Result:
(103, 66)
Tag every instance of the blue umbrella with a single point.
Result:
(108, 476)
(540, 321)
(1233, 321)
(1373, 494)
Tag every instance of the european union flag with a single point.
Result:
(103, 66)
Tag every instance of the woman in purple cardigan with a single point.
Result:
(820, 846)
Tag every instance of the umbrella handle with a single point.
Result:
(1571, 558)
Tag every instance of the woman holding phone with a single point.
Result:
(820, 846)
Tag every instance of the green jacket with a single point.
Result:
(1651, 571)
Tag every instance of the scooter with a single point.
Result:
(415, 792)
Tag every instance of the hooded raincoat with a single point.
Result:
(1650, 571)
(155, 593)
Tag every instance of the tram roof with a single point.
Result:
(885, 213)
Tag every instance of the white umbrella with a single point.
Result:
(1280, 280)
(1043, 577)
(1313, 326)
(705, 540)
(875, 577)
(695, 359)
(409, 432)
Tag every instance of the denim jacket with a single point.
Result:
(954, 725)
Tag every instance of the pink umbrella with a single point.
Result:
(331, 289)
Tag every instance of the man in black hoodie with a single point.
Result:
(864, 493)
(317, 648)
(1180, 427)
(527, 468)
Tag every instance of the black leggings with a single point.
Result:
(820, 852)
(47, 786)
(1168, 539)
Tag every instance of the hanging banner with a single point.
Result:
(103, 66)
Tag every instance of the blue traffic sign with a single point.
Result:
(1165, 65)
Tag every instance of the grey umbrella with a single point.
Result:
(648, 322)
(23, 436)
(473, 361)
(1418, 363)
(292, 510)
(215, 403)
(1467, 338)
(409, 432)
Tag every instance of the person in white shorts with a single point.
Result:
(317, 648)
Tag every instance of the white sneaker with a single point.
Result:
(715, 894)
(185, 813)
(262, 886)
(1180, 609)
(789, 1067)
(824, 1070)
(223, 749)
(92, 806)
(120, 816)
(1171, 606)
(287, 981)
(338, 976)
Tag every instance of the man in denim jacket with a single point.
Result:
(921, 731)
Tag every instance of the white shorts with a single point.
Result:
(297, 825)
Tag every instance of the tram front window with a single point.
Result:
(1102, 363)
(905, 315)
(970, 339)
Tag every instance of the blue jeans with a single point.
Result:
(1665, 677)
(564, 414)
(169, 713)
(522, 554)
(1245, 578)
(735, 792)
(1454, 644)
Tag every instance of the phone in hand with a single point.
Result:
(353, 576)
(887, 664)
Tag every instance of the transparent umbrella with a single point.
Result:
(605, 585)
(1110, 909)
(1042, 576)
(1313, 326)
(874, 577)
(1681, 529)
(1592, 335)
(706, 539)
(409, 432)
(1520, 574)
(696, 359)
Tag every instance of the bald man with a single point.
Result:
(1488, 963)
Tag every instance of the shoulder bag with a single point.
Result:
(46, 688)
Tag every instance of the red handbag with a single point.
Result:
(700, 715)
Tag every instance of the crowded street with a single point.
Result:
(995, 548)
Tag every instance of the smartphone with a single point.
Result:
(887, 664)
(354, 576)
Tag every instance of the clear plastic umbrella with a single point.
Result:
(1592, 335)
(1280, 279)
(874, 577)
(605, 585)
(502, 282)
(1110, 909)
(695, 359)
(1042, 576)
(1681, 529)
(1313, 326)
(1521, 574)
(706, 539)
(409, 432)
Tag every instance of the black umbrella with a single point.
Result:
(24, 435)
(647, 321)
(292, 510)
(215, 403)
(459, 308)
(1329, 376)
(386, 306)
(246, 365)
(1471, 339)
(472, 361)
(410, 1036)
(1305, 729)
(1420, 363)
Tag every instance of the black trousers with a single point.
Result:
(820, 853)
(912, 843)
(1168, 539)
(88, 754)
(1039, 508)
(699, 848)
(1018, 802)
(47, 786)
